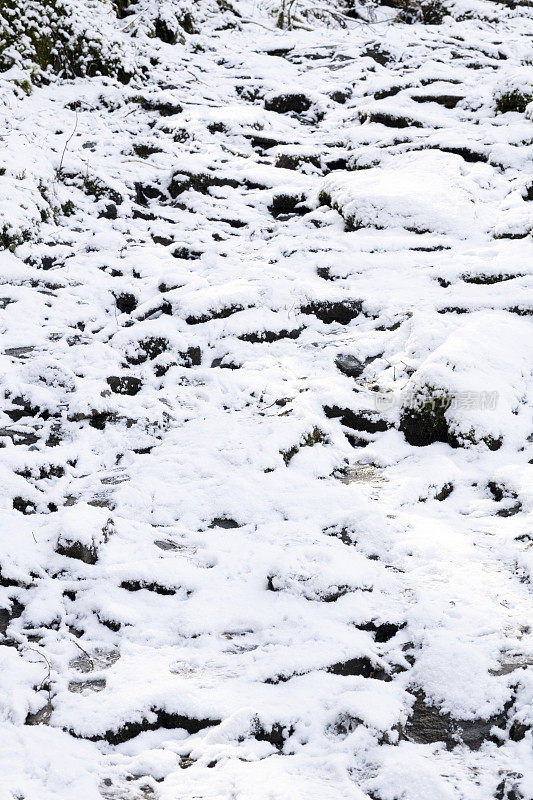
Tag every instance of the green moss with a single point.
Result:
(513, 101)
(309, 440)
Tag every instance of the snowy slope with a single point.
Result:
(266, 400)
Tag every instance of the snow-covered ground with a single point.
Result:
(266, 369)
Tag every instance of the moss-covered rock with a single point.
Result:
(288, 102)
(424, 421)
(148, 349)
(125, 384)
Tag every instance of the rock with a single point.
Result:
(137, 586)
(467, 154)
(389, 120)
(8, 614)
(184, 181)
(518, 730)
(362, 421)
(286, 103)
(383, 632)
(99, 419)
(109, 212)
(148, 348)
(24, 505)
(162, 107)
(165, 544)
(375, 52)
(164, 719)
(511, 511)
(444, 492)
(192, 357)
(125, 384)
(41, 717)
(82, 552)
(19, 352)
(92, 684)
(186, 253)
(427, 423)
(269, 336)
(23, 408)
(427, 725)
(362, 473)
(340, 95)
(277, 734)
(146, 192)
(224, 522)
(400, 194)
(446, 100)
(82, 533)
(341, 312)
(126, 302)
(359, 666)
(349, 365)
(509, 789)
(20, 437)
(224, 362)
(344, 725)
(220, 313)
(286, 205)
(512, 663)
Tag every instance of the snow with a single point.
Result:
(468, 368)
(228, 571)
(427, 191)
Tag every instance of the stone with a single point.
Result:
(295, 102)
(349, 365)
(125, 384)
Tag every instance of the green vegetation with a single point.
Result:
(58, 36)
(309, 440)
(513, 101)
(10, 239)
